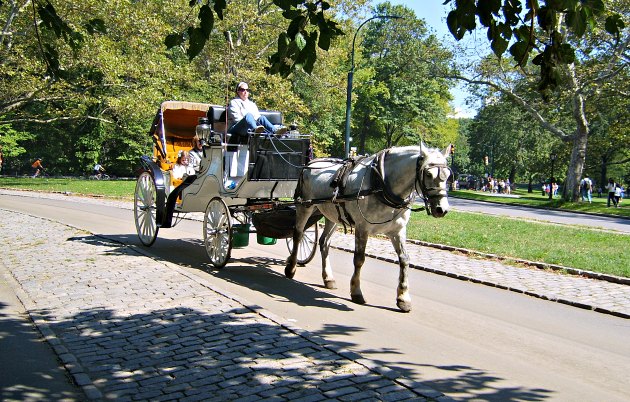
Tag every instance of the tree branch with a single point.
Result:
(69, 118)
(519, 101)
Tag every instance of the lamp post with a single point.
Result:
(350, 76)
(552, 156)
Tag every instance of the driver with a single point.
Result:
(244, 115)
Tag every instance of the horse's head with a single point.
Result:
(432, 173)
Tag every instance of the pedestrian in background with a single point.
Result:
(586, 189)
(617, 195)
(610, 187)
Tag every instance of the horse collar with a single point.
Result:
(386, 194)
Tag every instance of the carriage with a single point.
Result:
(244, 184)
(270, 186)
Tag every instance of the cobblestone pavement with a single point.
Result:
(128, 327)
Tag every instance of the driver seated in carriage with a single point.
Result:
(244, 116)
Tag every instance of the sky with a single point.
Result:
(434, 13)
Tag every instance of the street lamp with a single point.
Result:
(350, 75)
(552, 156)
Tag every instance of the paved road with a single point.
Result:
(463, 339)
(568, 218)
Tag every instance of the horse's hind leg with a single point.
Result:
(403, 298)
(324, 248)
(302, 215)
(360, 242)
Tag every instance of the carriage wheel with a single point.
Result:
(145, 209)
(308, 245)
(217, 232)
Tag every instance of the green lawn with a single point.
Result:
(105, 188)
(574, 247)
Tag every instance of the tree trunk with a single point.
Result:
(571, 190)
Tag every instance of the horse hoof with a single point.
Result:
(330, 284)
(358, 299)
(289, 272)
(404, 306)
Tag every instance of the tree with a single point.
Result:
(399, 99)
(99, 99)
(517, 147)
(578, 82)
(541, 30)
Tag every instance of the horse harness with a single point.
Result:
(380, 188)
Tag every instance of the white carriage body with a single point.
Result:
(173, 130)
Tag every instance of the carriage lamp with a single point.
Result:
(203, 129)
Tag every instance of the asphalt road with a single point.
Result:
(555, 216)
(463, 339)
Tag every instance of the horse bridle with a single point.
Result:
(426, 192)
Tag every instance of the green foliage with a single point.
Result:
(400, 97)
(516, 147)
(539, 32)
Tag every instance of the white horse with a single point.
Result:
(374, 196)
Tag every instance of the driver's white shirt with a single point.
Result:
(239, 108)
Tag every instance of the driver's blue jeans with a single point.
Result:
(249, 123)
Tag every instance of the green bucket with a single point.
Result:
(267, 241)
(240, 235)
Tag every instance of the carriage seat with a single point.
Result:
(217, 118)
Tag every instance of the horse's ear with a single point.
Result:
(447, 150)
(423, 148)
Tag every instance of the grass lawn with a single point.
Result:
(106, 188)
(569, 246)
(575, 247)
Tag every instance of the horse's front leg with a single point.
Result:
(324, 248)
(403, 298)
(301, 217)
(360, 242)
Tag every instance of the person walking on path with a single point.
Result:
(586, 189)
(611, 192)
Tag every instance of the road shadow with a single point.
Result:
(147, 349)
(251, 272)
(29, 369)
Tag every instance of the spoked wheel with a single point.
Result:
(308, 245)
(145, 209)
(217, 232)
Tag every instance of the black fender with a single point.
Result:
(160, 189)
(172, 199)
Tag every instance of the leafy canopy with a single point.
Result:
(526, 27)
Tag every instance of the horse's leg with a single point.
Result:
(360, 242)
(302, 215)
(403, 299)
(324, 248)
